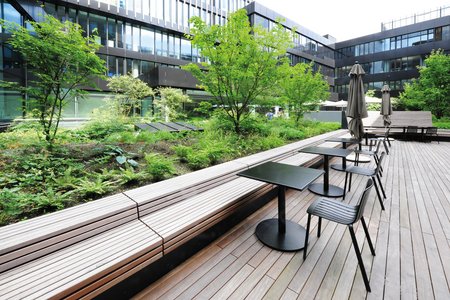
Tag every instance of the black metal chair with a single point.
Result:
(374, 154)
(373, 173)
(412, 132)
(345, 214)
(383, 138)
(430, 132)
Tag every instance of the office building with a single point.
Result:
(147, 39)
(392, 55)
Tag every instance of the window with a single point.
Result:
(438, 34)
(146, 67)
(136, 38)
(120, 69)
(112, 69)
(82, 20)
(120, 34)
(97, 26)
(11, 14)
(446, 33)
(164, 44)
(158, 42)
(186, 53)
(147, 40)
(128, 37)
(111, 33)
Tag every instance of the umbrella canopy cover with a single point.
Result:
(356, 105)
(386, 106)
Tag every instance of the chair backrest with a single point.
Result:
(412, 129)
(431, 130)
(363, 199)
(377, 170)
(378, 147)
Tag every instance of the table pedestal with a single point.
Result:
(338, 167)
(292, 240)
(331, 191)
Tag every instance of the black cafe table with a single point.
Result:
(344, 141)
(282, 234)
(325, 188)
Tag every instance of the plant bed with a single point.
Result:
(106, 157)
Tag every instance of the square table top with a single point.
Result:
(327, 151)
(343, 140)
(294, 177)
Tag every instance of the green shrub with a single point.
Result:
(269, 142)
(131, 176)
(159, 166)
(100, 129)
(154, 137)
(126, 137)
(198, 160)
(292, 133)
(183, 152)
(95, 186)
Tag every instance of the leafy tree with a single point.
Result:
(431, 91)
(241, 62)
(61, 61)
(205, 108)
(303, 88)
(129, 92)
(171, 102)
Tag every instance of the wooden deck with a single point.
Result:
(411, 238)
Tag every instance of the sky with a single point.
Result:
(338, 18)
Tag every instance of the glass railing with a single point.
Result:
(416, 18)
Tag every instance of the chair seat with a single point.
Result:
(333, 210)
(361, 171)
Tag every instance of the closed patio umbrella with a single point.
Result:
(386, 106)
(356, 105)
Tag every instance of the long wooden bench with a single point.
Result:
(85, 250)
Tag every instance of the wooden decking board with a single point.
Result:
(220, 281)
(411, 239)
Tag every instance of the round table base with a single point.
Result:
(332, 192)
(337, 167)
(292, 240)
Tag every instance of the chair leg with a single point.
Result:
(345, 185)
(350, 182)
(386, 147)
(381, 185)
(358, 256)
(319, 227)
(308, 225)
(377, 160)
(368, 236)
(378, 193)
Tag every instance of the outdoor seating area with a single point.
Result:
(86, 250)
(410, 240)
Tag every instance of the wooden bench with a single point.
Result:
(85, 250)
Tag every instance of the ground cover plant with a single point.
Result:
(108, 155)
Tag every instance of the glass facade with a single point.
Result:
(397, 42)
(118, 33)
(302, 44)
